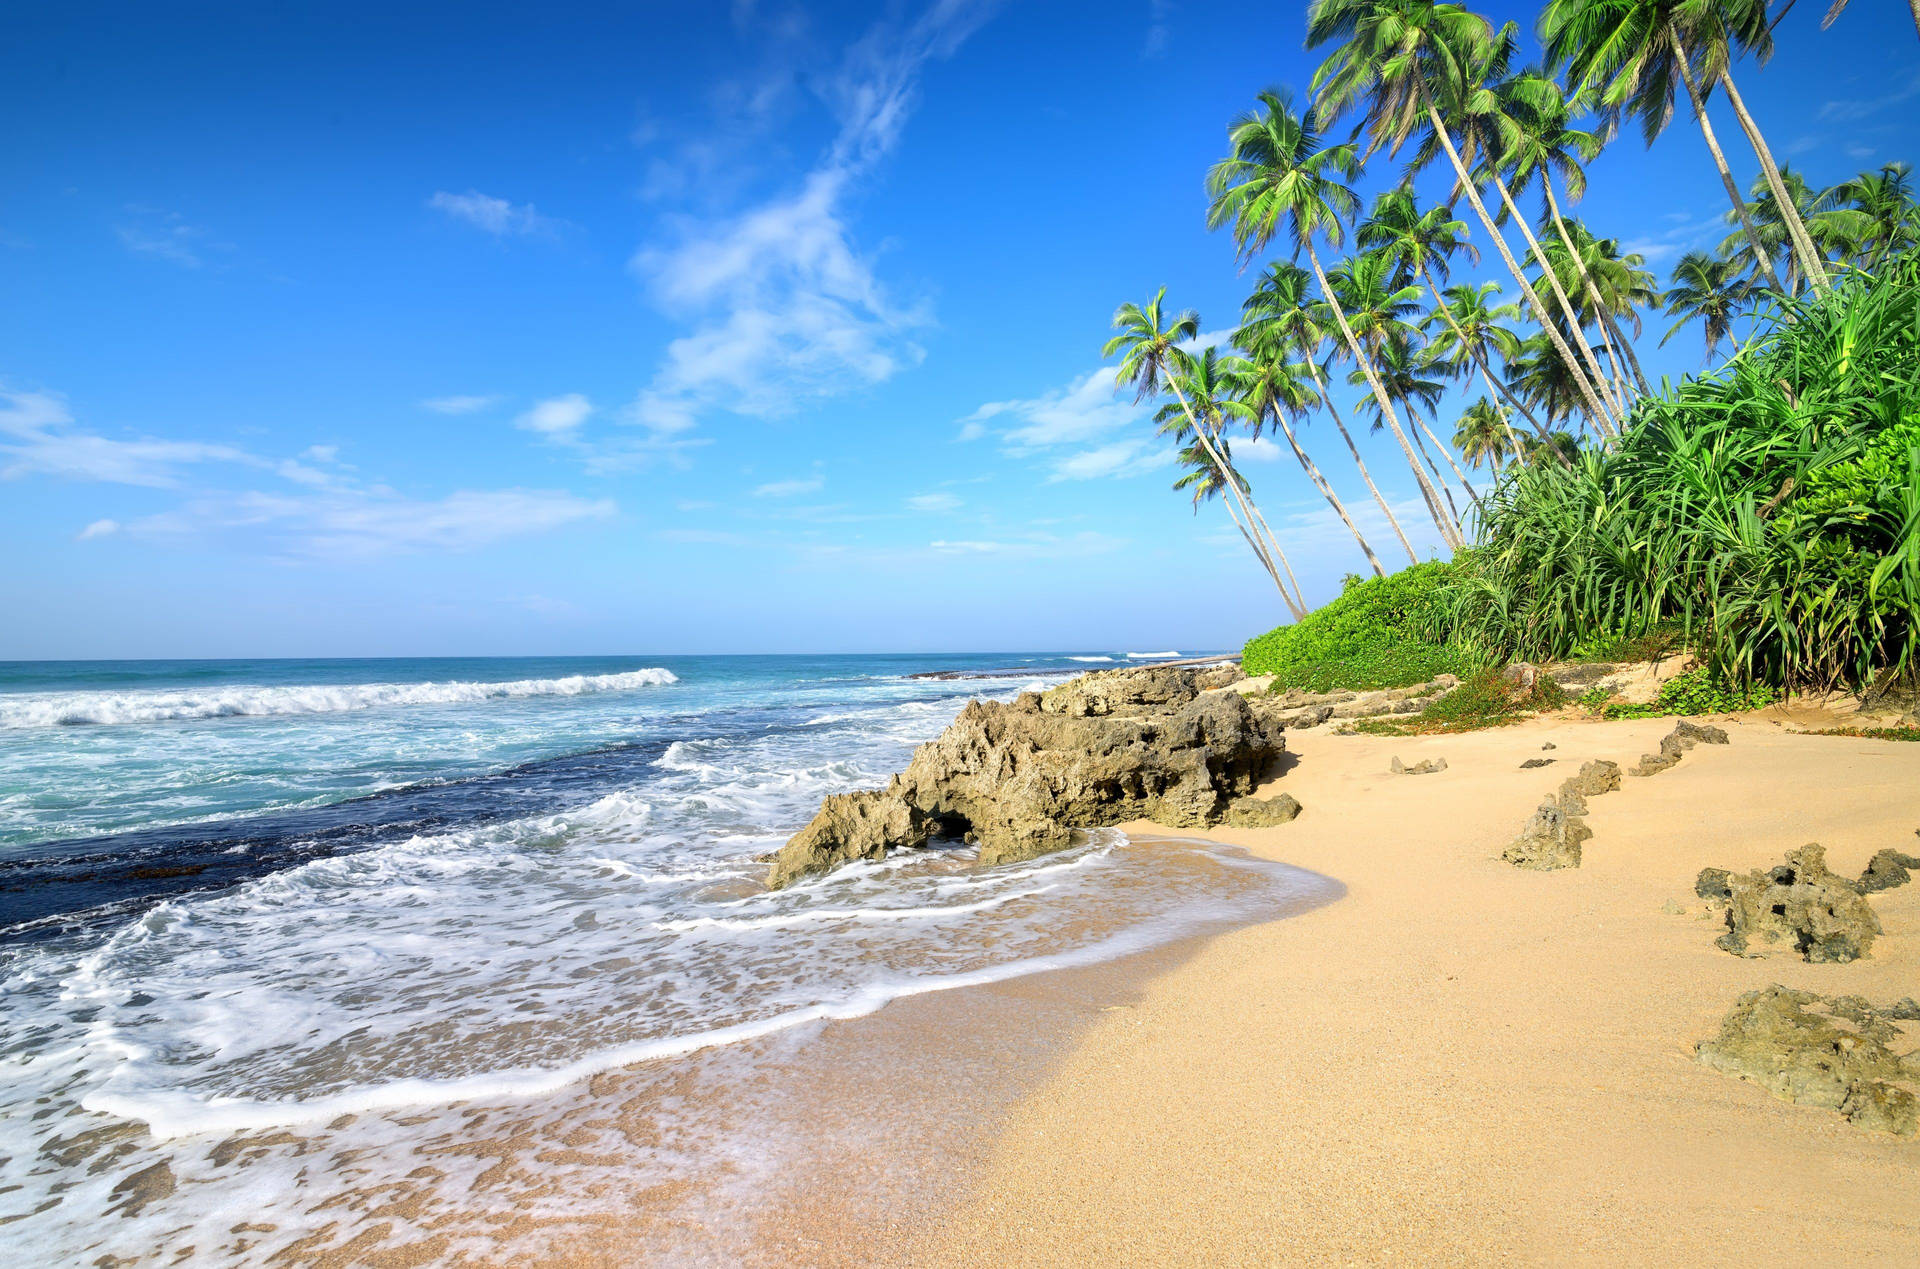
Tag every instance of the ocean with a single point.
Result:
(271, 929)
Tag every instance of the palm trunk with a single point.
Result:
(1580, 265)
(1479, 359)
(1596, 376)
(1760, 253)
(1915, 6)
(1260, 553)
(1506, 420)
(1434, 467)
(1526, 288)
(1326, 490)
(1626, 346)
(1812, 263)
(1446, 452)
(1326, 398)
(1447, 533)
(1233, 488)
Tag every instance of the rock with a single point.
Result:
(1906, 1010)
(1833, 1054)
(1553, 837)
(1531, 763)
(1282, 808)
(1549, 745)
(1684, 736)
(1020, 779)
(1520, 676)
(1820, 914)
(1888, 869)
(1426, 766)
(1713, 885)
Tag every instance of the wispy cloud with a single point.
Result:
(38, 436)
(1159, 14)
(785, 309)
(557, 416)
(98, 529)
(163, 235)
(934, 502)
(458, 404)
(790, 488)
(496, 216)
(1086, 430)
(1853, 109)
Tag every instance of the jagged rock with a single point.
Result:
(1549, 745)
(1531, 763)
(1802, 903)
(1311, 716)
(1888, 869)
(1019, 779)
(1282, 808)
(1833, 1054)
(1426, 766)
(1714, 885)
(1906, 1010)
(1553, 837)
(1684, 736)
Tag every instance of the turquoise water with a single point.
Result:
(332, 901)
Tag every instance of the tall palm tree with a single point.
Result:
(1149, 343)
(1483, 436)
(1407, 373)
(1828, 229)
(1281, 315)
(1709, 289)
(1470, 330)
(1277, 180)
(1539, 377)
(1631, 55)
(1201, 416)
(1406, 60)
(1205, 476)
(1619, 287)
(1879, 209)
(1272, 387)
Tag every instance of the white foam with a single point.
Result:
(1089, 658)
(52, 709)
(1151, 656)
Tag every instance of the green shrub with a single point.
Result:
(1698, 691)
(1378, 633)
(1482, 700)
(1770, 511)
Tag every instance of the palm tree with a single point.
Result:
(1630, 54)
(1151, 358)
(1619, 286)
(1707, 288)
(1206, 477)
(1278, 179)
(1269, 385)
(1483, 436)
(1879, 210)
(1539, 377)
(1281, 315)
(1405, 370)
(1829, 230)
(1836, 9)
(1406, 59)
(1471, 328)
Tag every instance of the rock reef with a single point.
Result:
(1553, 837)
(1887, 869)
(1426, 766)
(1801, 903)
(1684, 736)
(1817, 1051)
(1019, 779)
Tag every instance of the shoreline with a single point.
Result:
(1463, 1061)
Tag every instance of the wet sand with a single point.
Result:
(1464, 1062)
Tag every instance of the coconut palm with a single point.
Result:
(1465, 332)
(1619, 286)
(1152, 359)
(1205, 477)
(1276, 180)
(1407, 60)
(1630, 54)
(1281, 317)
(1708, 289)
(1408, 372)
(1272, 387)
(1831, 231)
(1482, 436)
(1538, 376)
(1880, 209)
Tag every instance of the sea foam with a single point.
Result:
(53, 709)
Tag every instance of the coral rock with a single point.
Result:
(1263, 812)
(1829, 1053)
(1801, 903)
(1684, 736)
(1888, 869)
(1426, 766)
(1553, 837)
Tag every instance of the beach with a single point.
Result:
(1465, 1062)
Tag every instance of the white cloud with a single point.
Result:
(163, 235)
(37, 436)
(457, 404)
(1851, 110)
(1032, 546)
(786, 310)
(935, 502)
(98, 529)
(788, 488)
(496, 216)
(321, 453)
(1120, 458)
(556, 416)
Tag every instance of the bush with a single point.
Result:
(1484, 699)
(1698, 691)
(1770, 511)
(1378, 633)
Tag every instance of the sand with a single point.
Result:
(1463, 1062)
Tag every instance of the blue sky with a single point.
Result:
(332, 330)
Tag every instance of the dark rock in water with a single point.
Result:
(1426, 766)
(1830, 1053)
(1019, 779)
(1282, 808)
(1887, 869)
(1801, 903)
(1531, 763)
(1553, 837)
(1684, 736)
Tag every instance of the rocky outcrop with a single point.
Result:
(1887, 869)
(1834, 1053)
(1282, 808)
(1800, 903)
(1297, 708)
(1426, 766)
(1684, 736)
(1553, 837)
(1020, 779)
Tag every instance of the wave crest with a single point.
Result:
(55, 709)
